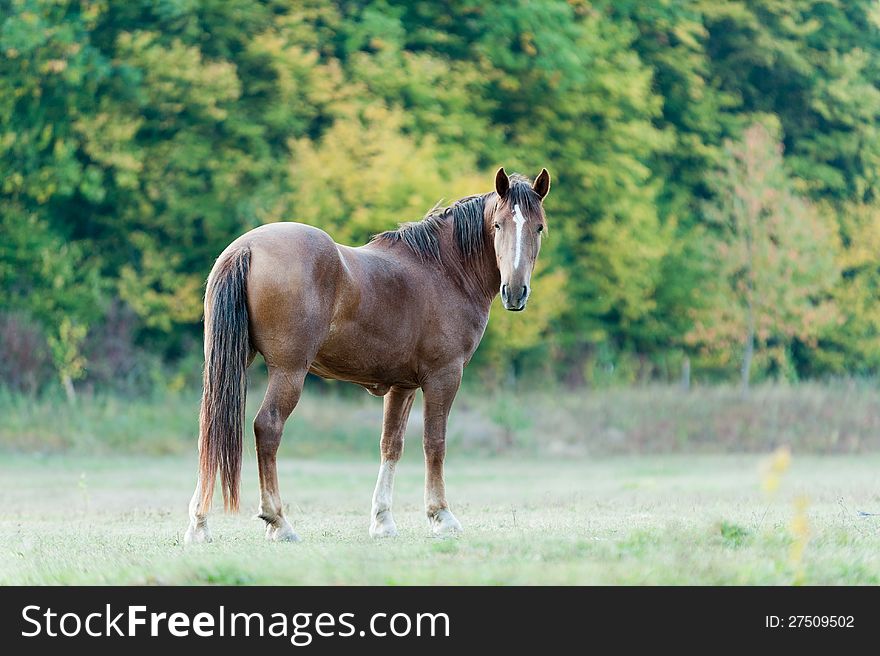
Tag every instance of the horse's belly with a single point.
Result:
(374, 388)
(375, 370)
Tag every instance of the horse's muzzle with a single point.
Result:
(514, 299)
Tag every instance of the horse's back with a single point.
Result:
(284, 239)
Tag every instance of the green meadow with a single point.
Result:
(665, 519)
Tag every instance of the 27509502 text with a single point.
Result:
(809, 622)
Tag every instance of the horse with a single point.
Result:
(405, 311)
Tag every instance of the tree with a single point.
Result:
(854, 344)
(814, 64)
(775, 258)
(138, 138)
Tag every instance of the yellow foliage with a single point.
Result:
(773, 468)
(107, 140)
(366, 176)
(65, 345)
(858, 331)
(156, 291)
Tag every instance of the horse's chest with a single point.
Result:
(475, 336)
(456, 335)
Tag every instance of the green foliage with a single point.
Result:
(854, 344)
(137, 139)
(774, 255)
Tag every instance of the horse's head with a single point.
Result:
(518, 222)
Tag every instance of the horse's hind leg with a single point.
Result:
(398, 403)
(198, 532)
(281, 398)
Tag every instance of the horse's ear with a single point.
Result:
(502, 183)
(542, 184)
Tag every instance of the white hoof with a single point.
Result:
(382, 526)
(281, 532)
(197, 534)
(444, 524)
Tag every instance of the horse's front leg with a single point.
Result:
(439, 391)
(398, 403)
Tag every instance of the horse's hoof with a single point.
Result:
(283, 533)
(383, 526)
(444, 524)
(286, 536)
(197, 535)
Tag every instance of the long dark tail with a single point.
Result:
(227, 348)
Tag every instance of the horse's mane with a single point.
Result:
(423, 237)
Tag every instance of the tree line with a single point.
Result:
(716, 170)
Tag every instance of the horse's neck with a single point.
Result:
(477, 276)
(487, 275)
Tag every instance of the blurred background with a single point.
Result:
(711, 274)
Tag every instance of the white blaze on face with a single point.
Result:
(520, 222)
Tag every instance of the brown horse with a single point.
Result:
(403, 312)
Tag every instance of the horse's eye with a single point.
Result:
(540, 228)
(497, 226)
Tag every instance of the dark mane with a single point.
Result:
(423, 237)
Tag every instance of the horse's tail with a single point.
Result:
(227, 349)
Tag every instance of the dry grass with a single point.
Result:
(811, 418)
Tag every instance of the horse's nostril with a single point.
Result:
(525, 292)
(503, 292)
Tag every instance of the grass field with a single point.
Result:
(662, 519)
